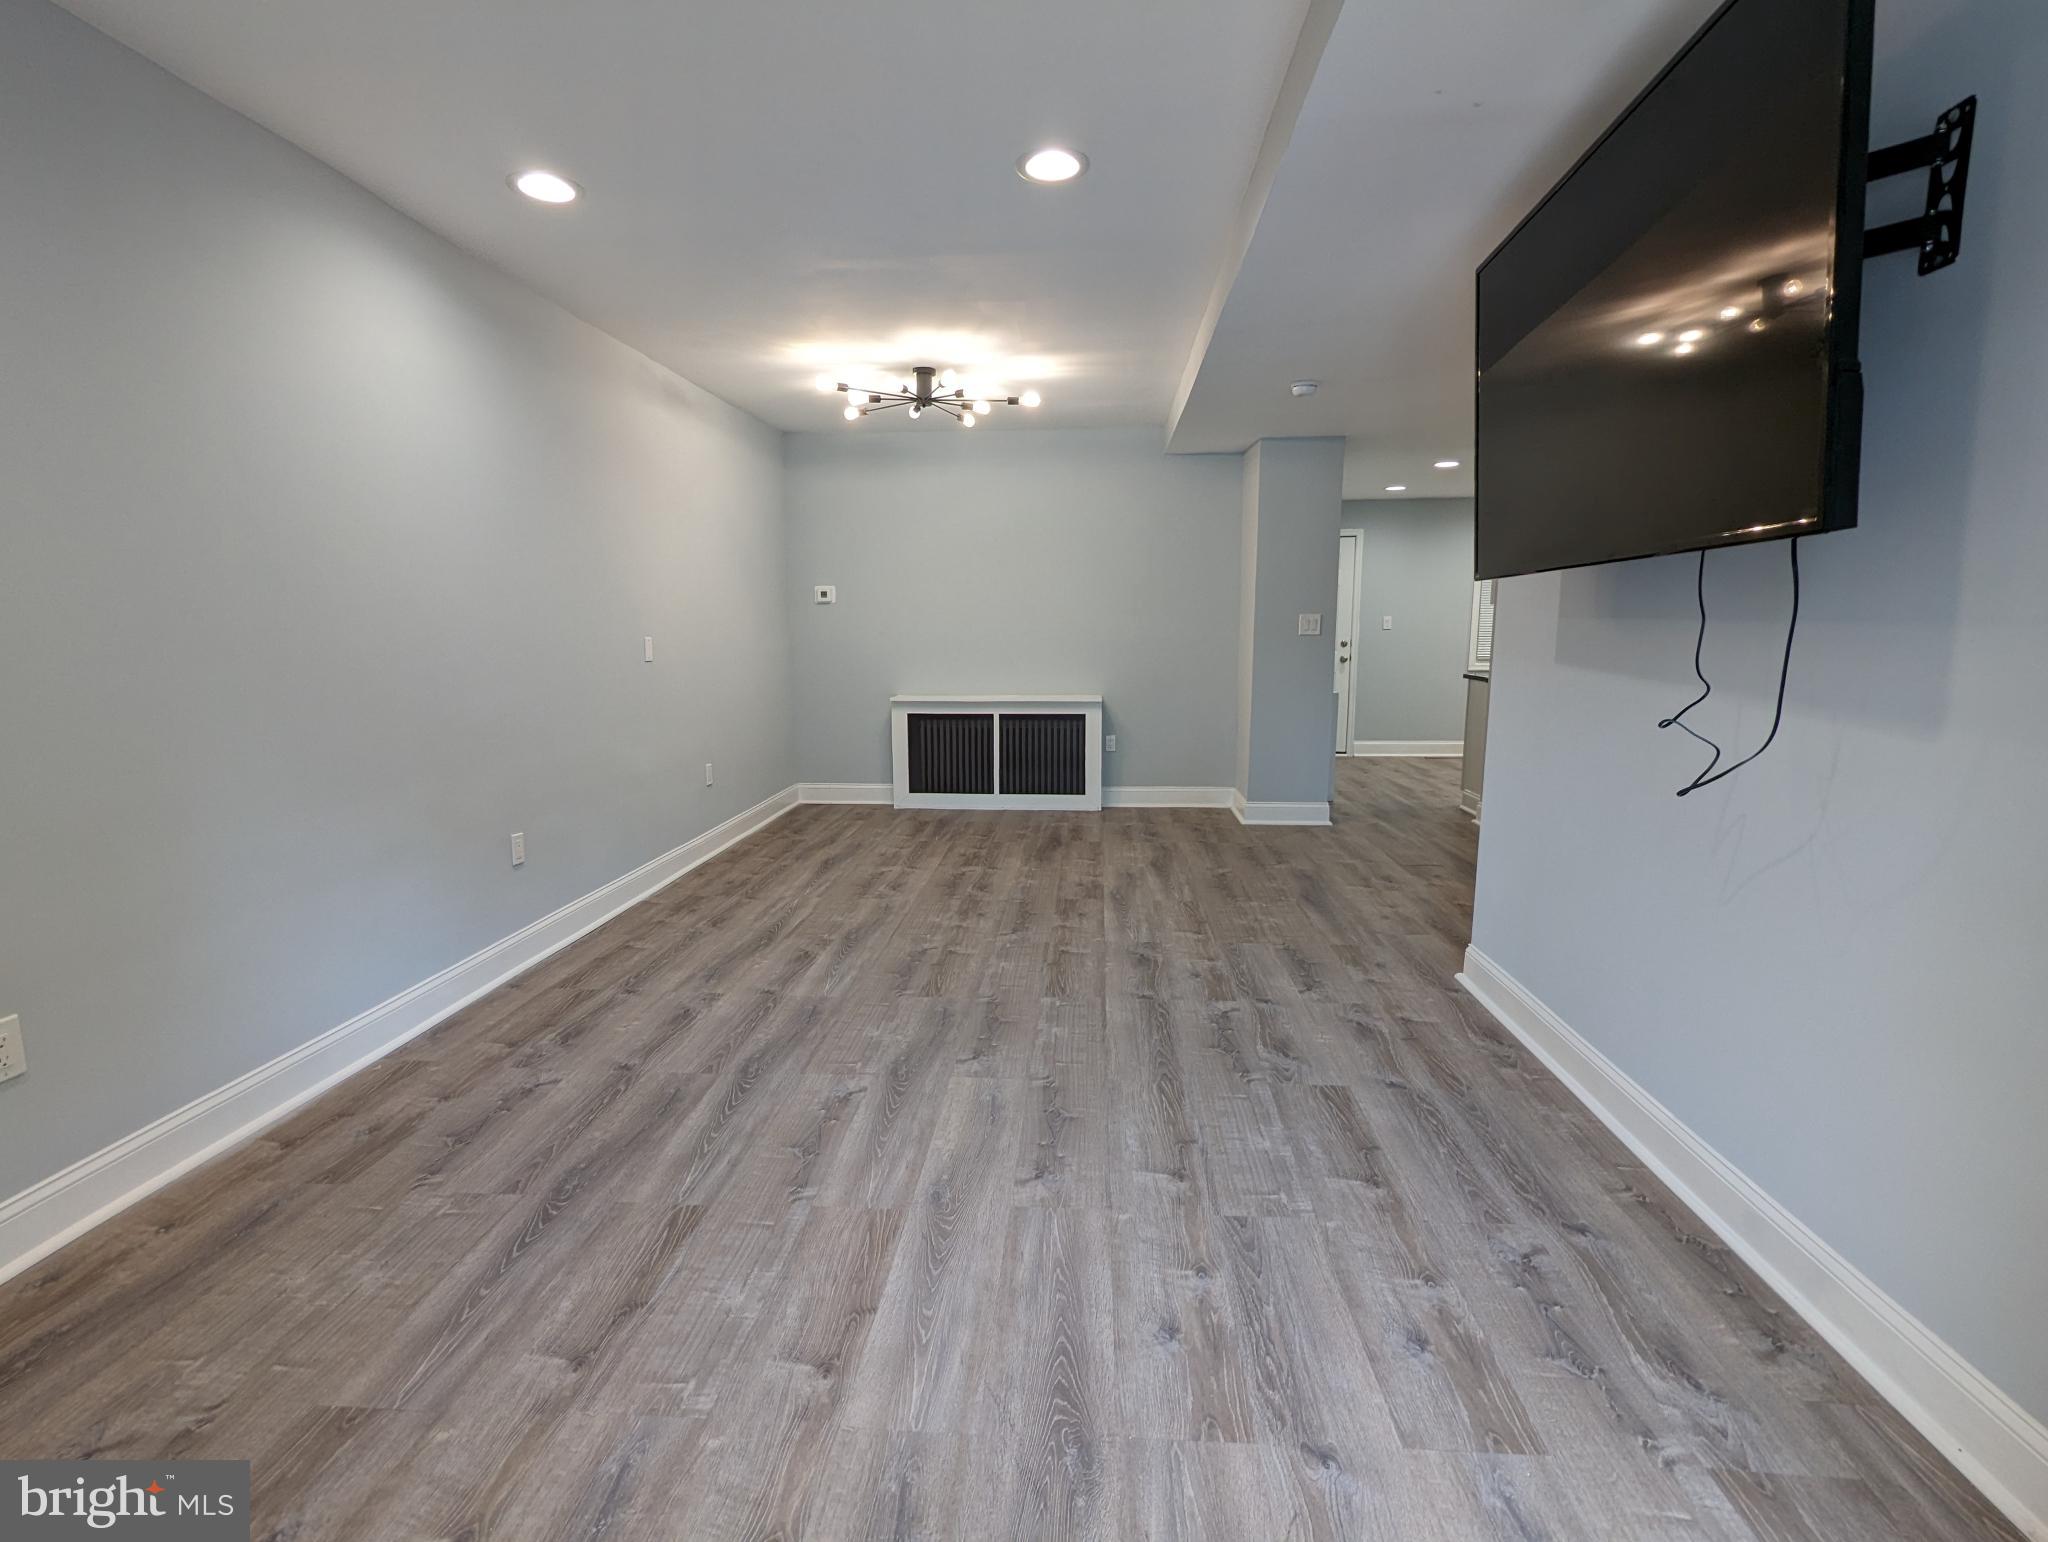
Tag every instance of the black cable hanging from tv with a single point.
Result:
(1677, 719)
(1708, 775)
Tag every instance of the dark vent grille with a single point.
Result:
(1046, 756)
(952, 752)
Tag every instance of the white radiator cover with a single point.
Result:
(998, 707)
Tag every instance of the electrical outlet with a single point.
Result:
(1386, 623)
(519, 848)
(1109, 743)
(1308, 624)
(707, 773)
(13, 1057)
(825, 594)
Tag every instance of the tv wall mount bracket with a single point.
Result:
(1937, 234)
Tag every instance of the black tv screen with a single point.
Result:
(1667, 343)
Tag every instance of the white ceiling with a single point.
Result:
(781, 187)
(1430, 129)
(775, 187)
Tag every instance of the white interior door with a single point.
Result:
(1347, 633)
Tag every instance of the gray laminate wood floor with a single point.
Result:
(962, 1175)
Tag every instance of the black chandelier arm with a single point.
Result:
(961, 395)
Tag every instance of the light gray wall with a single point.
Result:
(1831, 965)
(326, 553)
(1014, 561)
(1293, 499)
(1416, 566)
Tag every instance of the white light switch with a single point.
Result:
(825, 594)
(518, 848)
(1386, 623)
(13, 1058)
(649, 648)
(707, 773)
(1109, 743)
(1309, 624)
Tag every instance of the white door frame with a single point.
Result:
(1350, 549)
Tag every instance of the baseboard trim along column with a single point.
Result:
(1166, 797)
(45, 1216)
(1408, 748)
(1249, 813)
(1992, 1440)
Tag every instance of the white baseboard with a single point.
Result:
(845, 792)
(45, 1216)
(1277, 813)
(1407, 748)
(1993, 1441)
(1167, 797)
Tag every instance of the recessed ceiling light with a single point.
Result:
(1730, 312)
(1397, 487)
(1682, 349)
(1051, 165)
(1447, 465)
(1649, 339)
(1691, 335)
(1305, 387)
(545, 187)
(1793, 286)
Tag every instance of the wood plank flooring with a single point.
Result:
(960, 1176)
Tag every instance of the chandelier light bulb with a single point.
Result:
(949, 378)
(967, 420)
(825, 383)
(852, 412)
(1029, 399)
(916, 411)
(981, 408)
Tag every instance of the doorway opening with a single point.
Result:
(1348, 585)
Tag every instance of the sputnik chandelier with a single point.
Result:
(928, 389)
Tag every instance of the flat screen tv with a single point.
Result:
(1667, 343)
